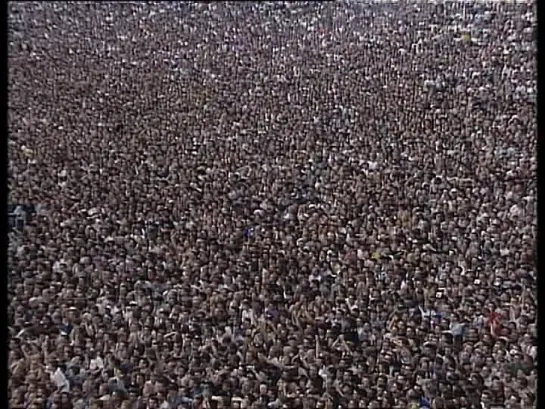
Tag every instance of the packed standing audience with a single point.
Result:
(272, 205)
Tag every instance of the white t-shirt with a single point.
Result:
(60, 380)
(96, 363)
(248, 315)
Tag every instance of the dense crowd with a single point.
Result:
(272, 205)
